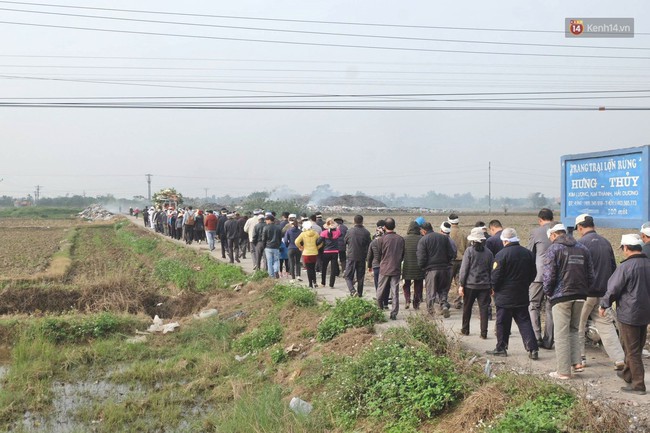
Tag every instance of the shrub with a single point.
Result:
(140, 245)
(397, 381)
(261, 409)
(544, 414)
(267, 334)
(258, 275)
(427, 331)
(85, 328)
(278, 355)
(349, 313)
(297, 295)
(207, 276)
(170, 270)
(214, 274)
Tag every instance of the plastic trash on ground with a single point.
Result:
(300, 406)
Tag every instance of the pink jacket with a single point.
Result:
(331, 240)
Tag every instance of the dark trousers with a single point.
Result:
(355, 269)
(455, 270)
(311, 273)
(189, 234)
(233, 250)
(483, 297)
(328, 258)
(224, 245)
(633, 340)
(383, 300)
(537, 300)
(251, 246)
(294, 262)
(243, 246)
(343, 261)
(418, 285)
(259, 255)
(504, 324)
(179, 233)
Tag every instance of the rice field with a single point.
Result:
(27, 251)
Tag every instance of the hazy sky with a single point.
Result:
(109, 150)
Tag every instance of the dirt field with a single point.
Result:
(27, 250)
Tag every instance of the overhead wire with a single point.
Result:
(352, 23)
(324, 44)
(322, 33)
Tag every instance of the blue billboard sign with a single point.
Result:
(611, 186)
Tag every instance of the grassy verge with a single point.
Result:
(196, 379)
(39, 212)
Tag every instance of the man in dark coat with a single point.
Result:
(391, 251)
(568, 276)
(411, 271)
(221, 231)
(435, 253)
(538, 243)
(629, 288)
(356, 241)
(602, 256)
(232, 236)
(512, 272)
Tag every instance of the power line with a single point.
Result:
(315, 107)
(352, 23)
(322, 33)
(323, 44)
(581, 67)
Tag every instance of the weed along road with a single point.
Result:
(598, 382)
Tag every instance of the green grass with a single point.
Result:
(349, 313)
(544, 414)
(39, 212)
(263, 410)
(78, 329)
(268, 333)
(139, 244)
(395, 381)
(205, 276)
(299, 296)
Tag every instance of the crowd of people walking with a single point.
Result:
(568, 281)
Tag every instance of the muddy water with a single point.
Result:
(68, 399)
(5, 361)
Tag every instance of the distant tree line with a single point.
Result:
(283, 199)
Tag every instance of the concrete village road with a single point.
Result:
(598, 381)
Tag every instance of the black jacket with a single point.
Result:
(568, 270)
(357, 240)
(257, 232)
(602, 256)
(231, 228)
(434, 252)
(629, 287)
(512, 272)
(411, 269)
(221, 226)
(494, 242)
(272, 236)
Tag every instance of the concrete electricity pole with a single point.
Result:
(149, 186)
(37, 194)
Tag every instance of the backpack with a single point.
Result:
(190, 220)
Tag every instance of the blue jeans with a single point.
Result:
(272, 261)
(211, 234)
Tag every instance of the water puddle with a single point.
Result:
(68, 399)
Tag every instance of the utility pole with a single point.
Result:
(149, 186)
(490, 187)
(37, 194)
